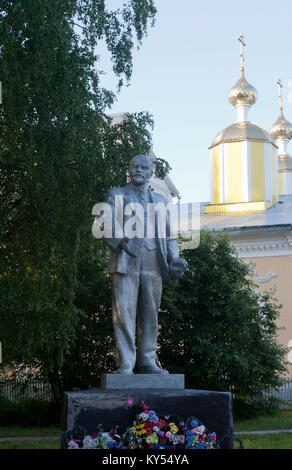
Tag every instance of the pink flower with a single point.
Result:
(181, 438)
(144, 406)
(168, 435)
(130, 401)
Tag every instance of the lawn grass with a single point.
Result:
(42, 444)
(277, 421)
(16, 431)
(265, 441)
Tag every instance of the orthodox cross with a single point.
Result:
(242, 45)
(280, 86)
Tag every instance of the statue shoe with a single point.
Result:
(153, 370)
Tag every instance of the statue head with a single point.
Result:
(141, 169)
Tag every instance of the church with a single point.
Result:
(251, 197)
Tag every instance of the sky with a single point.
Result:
(185, 68)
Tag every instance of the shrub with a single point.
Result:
(30, 412)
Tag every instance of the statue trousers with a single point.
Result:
(136, 300)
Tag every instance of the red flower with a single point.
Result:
(163, 440)
(94, 435)
(162, 424)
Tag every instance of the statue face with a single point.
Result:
(140, 170)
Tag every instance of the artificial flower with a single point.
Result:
(153, 417)
(194, 423)
(73, 445)
(143, 416)
(169, 435)
(199, 430)
(153, 438)
(173, 428)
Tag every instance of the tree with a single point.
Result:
(59, 154)
(216, 328)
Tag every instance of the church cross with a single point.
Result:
(242, 45)
(280, 86)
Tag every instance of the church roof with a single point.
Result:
(239, 131)
(276, 217)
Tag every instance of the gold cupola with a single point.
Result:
(281, 129)
(242, 95)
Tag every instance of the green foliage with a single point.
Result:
(259, 406)
(216, 328)
(30, 412)
(59, 155)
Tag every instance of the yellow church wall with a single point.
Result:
(234, 172)
(258, 171)
(281, 267)
(217, 175)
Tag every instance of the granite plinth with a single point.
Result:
(142, 381)
(88, 408)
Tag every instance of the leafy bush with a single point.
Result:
(245, 409)
(31, 412)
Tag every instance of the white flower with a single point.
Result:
(73, 445)
(143, 416)
(89, 443)
(105, 440)
(199, 430)
(155, 428)
(175, 440)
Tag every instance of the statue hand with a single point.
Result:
(177, 268)
(124, 247)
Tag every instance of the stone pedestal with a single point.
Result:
(142, 381)
(109, 407)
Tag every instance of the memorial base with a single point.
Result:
(142, 381)
(88, 408)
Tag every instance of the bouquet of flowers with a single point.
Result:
(148, 431)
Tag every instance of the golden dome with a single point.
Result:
(242, 93)
(281, 129)
(240, 131)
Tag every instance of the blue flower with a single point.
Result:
(153, 417)
(199, 446)
(194, 423)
